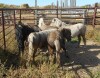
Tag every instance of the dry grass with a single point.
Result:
(10, 68)
(93, 34)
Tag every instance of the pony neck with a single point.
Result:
(41, 23)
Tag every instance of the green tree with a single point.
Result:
(24, 6)
(50, 6)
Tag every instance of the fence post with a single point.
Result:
(14, 18)
(57, 8)
(61, 10)
(20, 14)
(94, 16)
(35, 12)
(3, 30)
(84, 17)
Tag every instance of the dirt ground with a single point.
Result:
(84, 62)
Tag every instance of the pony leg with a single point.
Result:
(84, 40)
(58, 57)
(30, 54)
(66, 54)
(19, 51)
(64, 48)
(58, 47)
(35, 50)
(20, 55)
(50, 49)
(22, 48)
(79, 40)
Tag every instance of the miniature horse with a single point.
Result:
(21, 33)
(42, 39)
(78, 29)
(56, 41)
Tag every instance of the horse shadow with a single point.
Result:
(84, 57)
(9, 59)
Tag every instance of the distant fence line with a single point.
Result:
(59, 13)
(10, 16)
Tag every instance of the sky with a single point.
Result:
(45, 2)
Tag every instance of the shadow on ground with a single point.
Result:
(81, 58)
(9, 58)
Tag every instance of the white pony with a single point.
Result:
(43, 26)
(57, 22)
(78, 29)
(37, 40)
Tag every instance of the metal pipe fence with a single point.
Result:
(28, 15)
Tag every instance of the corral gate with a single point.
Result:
(8, 18)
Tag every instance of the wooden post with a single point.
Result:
(94, 16)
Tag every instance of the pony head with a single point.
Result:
(66, 33)
(56, 22)
(41, 22)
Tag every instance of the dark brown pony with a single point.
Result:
(21, 33)
(56, 41)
